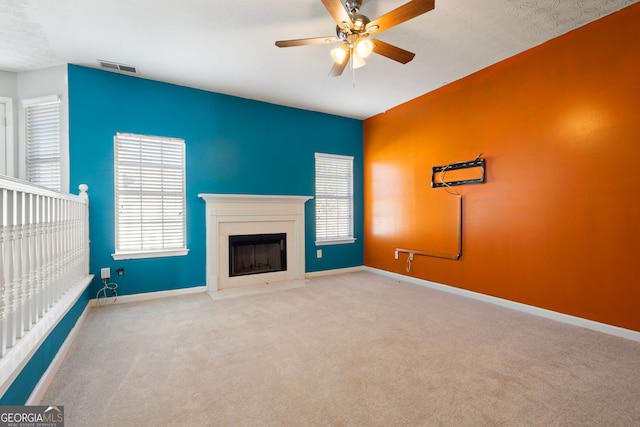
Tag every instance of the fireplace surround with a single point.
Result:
(241, 215)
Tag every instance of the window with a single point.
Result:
(149, 196)
(42, 141)
(334, 199)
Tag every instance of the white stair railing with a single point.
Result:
(44, 253)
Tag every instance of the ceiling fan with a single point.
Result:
(354, 29)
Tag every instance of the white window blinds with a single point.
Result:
(149, 196)
(334, 199)
(42, 138)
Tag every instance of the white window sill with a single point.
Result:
(334, 242)
(149, 254)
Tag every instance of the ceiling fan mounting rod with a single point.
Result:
(357, 25)
(353, 5)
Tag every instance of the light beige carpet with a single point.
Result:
(355, 349)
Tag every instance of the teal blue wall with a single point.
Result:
(234, 145)
(27, 379)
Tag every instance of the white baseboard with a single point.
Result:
(553, 315)
(313, 274)
(38, 392)
(146, 296)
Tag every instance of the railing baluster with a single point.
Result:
(18, 263)
(57, 244)
(61, 286)
(51, 254)
(44, 252)
(48, 269)
(54, 240)
(3, 282)
(33, 259)
(43, 303)
(10, 292)
(66, 247)
(39, 248)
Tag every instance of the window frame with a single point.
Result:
(319, 198)
(147, 252)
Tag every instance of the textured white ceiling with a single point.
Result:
(228, 46)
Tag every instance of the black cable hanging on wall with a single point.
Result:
(438, 180)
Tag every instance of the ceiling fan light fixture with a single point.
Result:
(358, 61)
(339, 54)
(364, 48)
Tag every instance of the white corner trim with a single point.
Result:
(146, 296)
(45, 381)
(536, 311)
(312, 274)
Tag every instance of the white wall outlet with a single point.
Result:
(395, 255)
(319, 253)
(105, 273)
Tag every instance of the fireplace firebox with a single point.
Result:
(257, 253)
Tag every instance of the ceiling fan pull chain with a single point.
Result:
(353, 71)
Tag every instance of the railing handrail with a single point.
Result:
(16, 184)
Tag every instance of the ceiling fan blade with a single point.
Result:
(338, 13)
(392, 52)
(337, 69)
(399, 15)
(304, 42)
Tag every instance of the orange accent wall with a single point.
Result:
(557, 223)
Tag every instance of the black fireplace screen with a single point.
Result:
(257, 253)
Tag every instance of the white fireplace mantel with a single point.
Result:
(229, 214)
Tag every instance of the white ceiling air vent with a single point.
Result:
(118, 67)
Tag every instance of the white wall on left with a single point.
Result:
(27, 85)
(9, 129)
(36, 84)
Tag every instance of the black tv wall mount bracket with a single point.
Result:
(477, 163)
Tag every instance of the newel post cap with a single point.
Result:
(83, 191)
